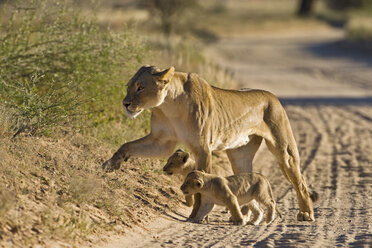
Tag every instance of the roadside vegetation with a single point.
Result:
(62, 79)
(355, 16)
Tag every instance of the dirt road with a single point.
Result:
(326, 88)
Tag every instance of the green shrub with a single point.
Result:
(58, 66)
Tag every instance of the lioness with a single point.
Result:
(186, 109)
(231, 192)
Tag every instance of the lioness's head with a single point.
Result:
(193, 183)
(176, 162)
(146, 89)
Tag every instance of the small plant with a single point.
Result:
(7, 200)
(84, 188)
(34, 111)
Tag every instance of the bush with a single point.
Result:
(58, 65)
(359, 29)
(171, 13)
(346, 4)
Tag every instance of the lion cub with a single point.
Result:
(231, 192)
(180, 163)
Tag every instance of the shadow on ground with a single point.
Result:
(329, 101)
(357, 51)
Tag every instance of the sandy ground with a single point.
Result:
(326, 88)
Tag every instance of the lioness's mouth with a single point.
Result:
(169, 173)
(133, 113)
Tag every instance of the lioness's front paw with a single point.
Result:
(305, 216)
(110, 166)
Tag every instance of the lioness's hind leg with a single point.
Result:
(285, 151)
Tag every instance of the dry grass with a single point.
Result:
(360, 29)
(53, 190)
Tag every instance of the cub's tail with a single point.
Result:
(277, 210)
(314, 196)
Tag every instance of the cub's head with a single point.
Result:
(193, 183)
(176, 163)
(146, 89)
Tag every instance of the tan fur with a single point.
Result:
(181, 163)
(187, 110)
(231, 192)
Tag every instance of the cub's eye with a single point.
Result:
(140, 89)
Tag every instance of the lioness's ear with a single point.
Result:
(165, 75)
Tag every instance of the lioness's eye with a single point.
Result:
(140, 88)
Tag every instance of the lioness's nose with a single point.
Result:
(126, 104)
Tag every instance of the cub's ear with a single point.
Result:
(199, 184)
(185, 158)
(165, 75)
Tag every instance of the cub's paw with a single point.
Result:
(239, 222)
(305, 216)
(110, 166)
(253, 223)
(195, 220)
(205, 220)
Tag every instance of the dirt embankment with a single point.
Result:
(327, 91)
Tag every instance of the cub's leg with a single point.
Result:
(233, 205)
(270, 207)
(189, 200)
(203, 158)
(241, 160)
(257, 214)
(196, 206)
